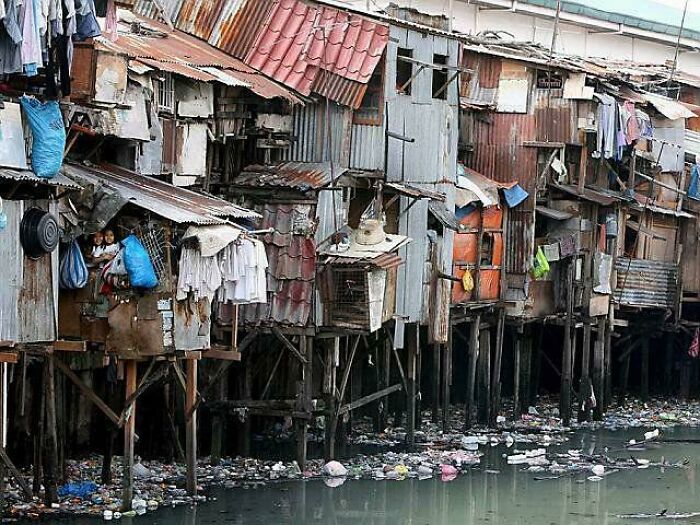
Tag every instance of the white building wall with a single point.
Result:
(572, 39)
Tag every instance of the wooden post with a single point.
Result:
(535, 367)
(51, 445)
(306, 348)
(412, 356)
(584, 412)
(191, 426)
(484, 376)
(599, 370)
(624, 379)
(419, 373)
(498, 358)
(437, 377)
(248, 395)
(517, 350)
(129, 432)
(566, 371)
(217, 422)
(668, 363)
(644, 380)
(473, 357)
(446, 380)
(329, 388)
(385, 377)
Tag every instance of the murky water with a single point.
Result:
(509, 497)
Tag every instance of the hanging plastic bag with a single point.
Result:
(467, 281)
(138, 264)
(3, 217)
(541, 265)
(49, 135)
(73, 272)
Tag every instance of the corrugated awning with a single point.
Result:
(588, 194)
(410, 190)
(441, 213)
(302, 176)
(171, 202)
(59, 180)
(553, 214)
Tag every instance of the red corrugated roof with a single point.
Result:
(298, 41)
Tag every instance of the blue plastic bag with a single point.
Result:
(138, 264)
(73, 273)
(49, 134)
(81, 489)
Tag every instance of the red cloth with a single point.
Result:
(694, 349)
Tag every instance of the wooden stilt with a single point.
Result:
(248, 394)
(446, 380)
(385, 378)
(471, 370)
(566, 372)
(526, 370)
(217, 424)
(584, 408)
(51, 445)
(412, 366)
(517, 351)
(536, 366)
(39, 437)
(668, 362)
(329, 388)
(599, 371)
(497, 361)
(306, 349)
(129, 433)
(644, 380)
(624, 379)
(686, 367)
(484, 376)
(419, 380)
(436, 383)
(191, 427)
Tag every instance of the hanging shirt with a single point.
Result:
(87, 26)
(261, 264)
(31, 41)
(607, 123)
(10, 39)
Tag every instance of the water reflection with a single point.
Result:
(495, 493)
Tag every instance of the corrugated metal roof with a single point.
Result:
(239, 25)
(177, 204)
(342, 90)
(185, 55)
(589, 194)
(59, 180)
(411, 190)
(297, 40)
(298, 175)
(385, 261)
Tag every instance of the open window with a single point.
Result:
(165, 93)
(440, 77)
(404, 71)
(371, 109)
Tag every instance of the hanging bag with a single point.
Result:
(73, 271)
(48, 134)
(138, 264)
(3, 217)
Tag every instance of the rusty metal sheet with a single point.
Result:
(177, 204)
(651, 284)
(298, 175)
(198, 17)
(186, 55)
(342, 90)
(554, 124)
(239, 24)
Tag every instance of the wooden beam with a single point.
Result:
(16, 474)
(216, 352)
(369, 398)
(348, 366)
(63, 345)
(288, 344)
(9, 357)
(129, 437)
(88, 392)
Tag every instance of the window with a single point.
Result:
(404, 71)
(440, 77)
(372, 107)
(165, 93)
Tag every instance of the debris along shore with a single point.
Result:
(525, 444)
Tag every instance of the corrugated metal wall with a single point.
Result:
(311, 132)
(28, 288)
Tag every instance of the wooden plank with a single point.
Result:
(63, 345)
(348, 366)
(369, 398)
(88, 392)
(4, 343)
(471, 371)
(221, 354)
(288, 344)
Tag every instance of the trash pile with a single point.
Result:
(536, 444)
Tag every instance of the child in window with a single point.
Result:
(111, 247)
